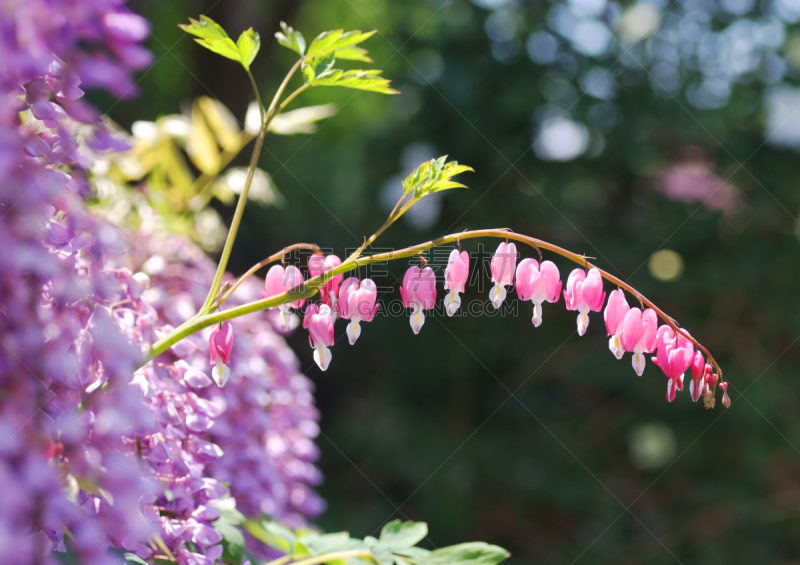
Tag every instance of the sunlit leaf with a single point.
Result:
(317, 66)
(232, 537)
(474, 553)
(353, 53)
(330, 41)
(301, 120)
(211, 36)
(248, 44)
(360, 80)
(434, 176)
(202, 146)
(222, 123)
(273, 534)
(291, 39)
(397, 534)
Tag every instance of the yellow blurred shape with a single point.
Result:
(666, 265)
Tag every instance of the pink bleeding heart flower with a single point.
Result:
(220, 347)
(616, 309)
(418, 293)
(317, 264)
(699, 371)
(639, 335)
(357, 304)
(726, 400)
(538, 283)
(455, 279)
(674, 356)
(319, 323)
(504, 263)
(584, 293)
(278, 281)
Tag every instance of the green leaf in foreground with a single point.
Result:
(273, 534)
(210, 35)
(433, 176)
(397, 534)
(291, 39)
(473, 553)
(360, 80)
(248, 45)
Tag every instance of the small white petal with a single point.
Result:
(638, 362)
(353, 331)
(417, 319)
(497, 295)
(583, 322)
(322, 356)
(220, 373)
(537, 314)
(452, 303)
(615, 346)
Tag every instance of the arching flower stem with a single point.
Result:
(312, 286)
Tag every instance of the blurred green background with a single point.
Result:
(615, 130)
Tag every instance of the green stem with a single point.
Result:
(237, 215)
(312, 285)
(274, 257)
(333, 556)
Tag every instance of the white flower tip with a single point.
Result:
(417, 320)
(583, 322)
(322, 356)
(452, 303)
(537, 315)
(220, 373)
(615, 346)
(353, 331)
(638, 363)
(497, 295)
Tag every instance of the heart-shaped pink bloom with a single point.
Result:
(675, 355)
(317, 264)
(616, 309)
(455, 279)
(584, 293)
(538, 283)
(280, 280)
(357, 304)
(504, 264)
(699, 371)
(638, 335)
(220, 343)
(419, 293)
(220, 347)
(319, 323)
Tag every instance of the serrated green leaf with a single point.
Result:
(210, 35)
(397, 534)
(291, 39)
(473, 553)
(248, 44)
(353, 53)
(360, 80)
(318, 66)
(328, 42)
(434, 176)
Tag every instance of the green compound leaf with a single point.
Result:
(318, 66)
(397, 534)
(291, 39)
(353, 53)
(434, 176)
(329, 42)
(248, 45)
(474, 553)
(360, 80)
(210, 35)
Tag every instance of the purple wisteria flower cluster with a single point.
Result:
(82, 471)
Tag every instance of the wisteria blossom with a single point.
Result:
(585, 294)
(455, 278)
(538, 283)
(357, 304)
